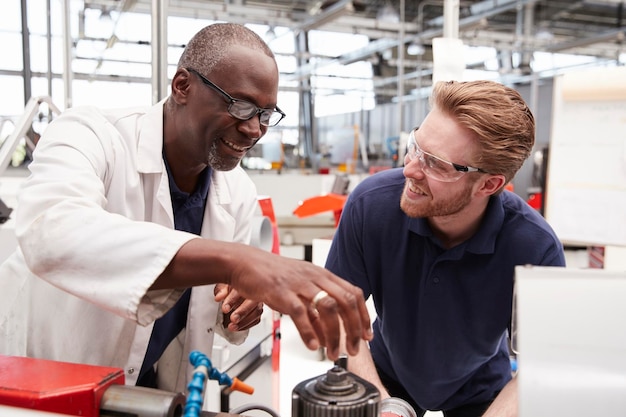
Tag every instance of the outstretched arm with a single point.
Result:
(284, 284)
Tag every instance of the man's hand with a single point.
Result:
(316, 300)
(239, 313)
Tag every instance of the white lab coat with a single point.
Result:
(95, 227)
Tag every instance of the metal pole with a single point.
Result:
(308, 127)
(26, 54)
(451, 18)
(49, 46)
(159, 50)
(401, 47)
(67, 54)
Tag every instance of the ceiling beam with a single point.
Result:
(611, 35)
(384, 44)
(326, 16)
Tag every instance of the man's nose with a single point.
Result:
(252, 127)
(413, 167)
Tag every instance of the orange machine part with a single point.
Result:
(59, 387)
(320, 204)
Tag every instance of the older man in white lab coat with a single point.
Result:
(99, 259)
(88, 301)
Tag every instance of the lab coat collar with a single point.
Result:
(150, 155)
(150, 144)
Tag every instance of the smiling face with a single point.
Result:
(203, 132)
(424, 196)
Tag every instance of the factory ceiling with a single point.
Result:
(591, 27)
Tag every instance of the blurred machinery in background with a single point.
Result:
(22, 132)
(536, 193)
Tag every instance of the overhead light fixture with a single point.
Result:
(415, 49)
(388, 14)
(270, 35)
(544, 34)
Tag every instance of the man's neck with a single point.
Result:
(455, 229)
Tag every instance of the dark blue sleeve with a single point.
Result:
(345, 257)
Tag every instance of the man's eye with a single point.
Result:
(434, 163)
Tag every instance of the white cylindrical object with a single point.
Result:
(451, 9)
(262, 234)
(141, 402)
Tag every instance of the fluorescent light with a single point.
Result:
(388, 15)
(415, 49)
(544, 34)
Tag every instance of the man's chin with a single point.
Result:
(410, 208)
(224, 164)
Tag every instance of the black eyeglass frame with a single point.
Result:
(232, 101)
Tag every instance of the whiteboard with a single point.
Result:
(572, 343)
(586, 179)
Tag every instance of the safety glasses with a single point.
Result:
(436, 168)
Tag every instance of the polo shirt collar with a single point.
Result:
(484, 241)
(202, 189)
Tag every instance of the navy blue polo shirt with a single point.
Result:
(442, 314)
(189, 208)
(188, 215)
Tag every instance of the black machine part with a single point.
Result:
(338, 393)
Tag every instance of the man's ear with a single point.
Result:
(492, 184)
(180, 86)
